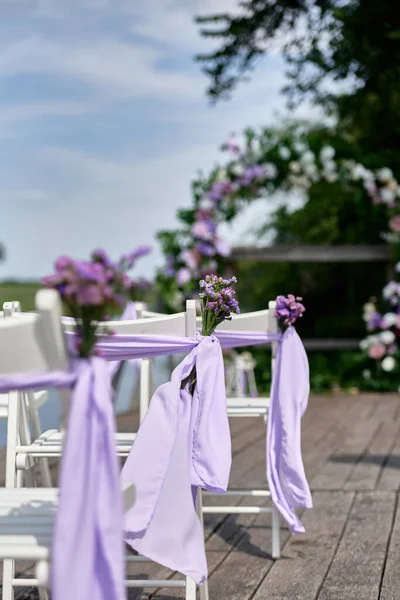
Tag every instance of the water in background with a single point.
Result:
(50, 412)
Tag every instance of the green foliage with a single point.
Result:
(356, 42)
(23, 292)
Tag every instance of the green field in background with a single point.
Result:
(24, 292)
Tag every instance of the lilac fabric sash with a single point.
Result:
(88, 553)
(183, 443)
(289, 398)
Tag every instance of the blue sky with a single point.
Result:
(104, 121)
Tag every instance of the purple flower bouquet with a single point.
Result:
(92, 289)
(288, 310)
(217, 303)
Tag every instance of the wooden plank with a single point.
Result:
(356, 570)
(391, 577)
(390, 475)
(335, 473)
(313, 253)
(299, 575)
(367, 472)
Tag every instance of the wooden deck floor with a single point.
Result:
(351, 551)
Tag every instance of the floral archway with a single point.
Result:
(257, 165)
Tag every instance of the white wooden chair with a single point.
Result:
(262, 321)
(26, 515)
(22, 455)
(35, 344)
(30, 419)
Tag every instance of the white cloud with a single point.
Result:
(118, 69)
(67, 194)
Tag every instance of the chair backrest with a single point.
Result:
(34, 342)
(178, 325)
(260, 320)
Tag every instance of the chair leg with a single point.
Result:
(203, 589)
(43, 593)
(8, 576)
(190, 590)
(12, 438)
(37, 431)
(145, 387)
(42, 575)
(25, 440)
(276, 533)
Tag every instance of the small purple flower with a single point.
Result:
(288, 309)
(100, 255)
(231, 146)
(250, 174)
(190, 258)
(90, 295)
(206, 249)
(374, 320)
(128, 260)
(220, 189)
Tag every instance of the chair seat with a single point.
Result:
(27, 518)
(50, 444)
(247, 407)
(26, 522)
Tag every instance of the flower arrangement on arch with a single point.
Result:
(260, 164)
(383, 324)
(90, 290)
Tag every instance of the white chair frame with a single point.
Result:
(259, 321)
(41, 337)
(32, 402)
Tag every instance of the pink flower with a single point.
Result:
(90, 295)
(51, 281)
(183, 276)
(232, 146)
(394, 223)
(376, 351)
(222, 247)
(201, 230)
(203, 214)
(190, 258)
(371, 188)
(63, 262)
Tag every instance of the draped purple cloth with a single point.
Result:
(288, 402)
(289, 398)
(88, 552)
(183, 443)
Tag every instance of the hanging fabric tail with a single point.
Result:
(183, 443)
(88, 552)
(289, 398)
